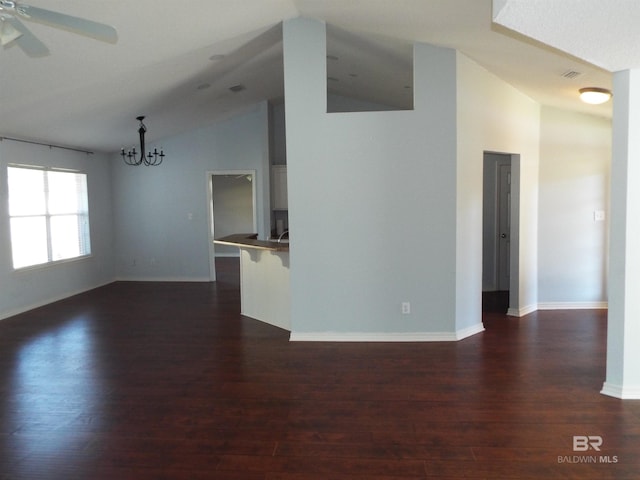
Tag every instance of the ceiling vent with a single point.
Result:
(571, 74)
(237, 88)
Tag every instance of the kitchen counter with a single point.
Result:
(250, 240)
(264, 278)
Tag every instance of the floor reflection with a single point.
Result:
(55, 383)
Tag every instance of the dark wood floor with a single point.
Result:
(168, 381)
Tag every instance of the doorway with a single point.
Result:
(497, 232)
(231, 203)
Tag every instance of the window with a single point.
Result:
(49, 215)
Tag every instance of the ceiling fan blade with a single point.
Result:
(99, 31)
(28, 41)
(8, 32)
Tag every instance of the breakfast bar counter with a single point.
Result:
(250, 240)
(264, 278)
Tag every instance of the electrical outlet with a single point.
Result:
(406, 308)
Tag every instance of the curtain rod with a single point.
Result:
(46, 145)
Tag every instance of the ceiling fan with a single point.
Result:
(13, 30)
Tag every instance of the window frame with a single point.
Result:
(83, 214)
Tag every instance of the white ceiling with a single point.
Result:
(86, 94)
(604, 33)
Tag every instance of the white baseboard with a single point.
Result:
(42, 303)
(470, 331)
(521, 312)
(385, 337)
(573, 306)
(163, 279)
(620, 391)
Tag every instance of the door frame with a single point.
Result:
(514, 230)
(210, 174)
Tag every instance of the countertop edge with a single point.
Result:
(250, 240)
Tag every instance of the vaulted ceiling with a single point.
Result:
(175, 62)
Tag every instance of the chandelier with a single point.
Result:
(149, 159)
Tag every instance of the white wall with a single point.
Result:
(575, 161)
(623, 328)
(495, 117)
(156, 238)
(26, 289)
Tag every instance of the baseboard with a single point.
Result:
(521, 312)
(42, 303)
(470, 331)
(163, 279)
(622, 392)
(385, 337)
(573, 306)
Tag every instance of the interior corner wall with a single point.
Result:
(372, 199)
(494, 117)
(161, 213)
(575, 163)
(30, 288)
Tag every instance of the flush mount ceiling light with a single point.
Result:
(594, 95)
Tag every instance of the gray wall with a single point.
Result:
(372, 198)
(29, 288)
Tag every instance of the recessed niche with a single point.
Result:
(368, 73)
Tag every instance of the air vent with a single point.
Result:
(237, 88)
(571, 74)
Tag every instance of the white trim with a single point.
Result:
(254, 196)
(18, 311)
(162, 279)
(385, 337)
(622, 392)
(521, 312)
(470, 331)
(573, 305)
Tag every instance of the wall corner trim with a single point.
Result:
(620, 391)
(470, 331)
(521, 312)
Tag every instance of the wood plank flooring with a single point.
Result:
(169, 381)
